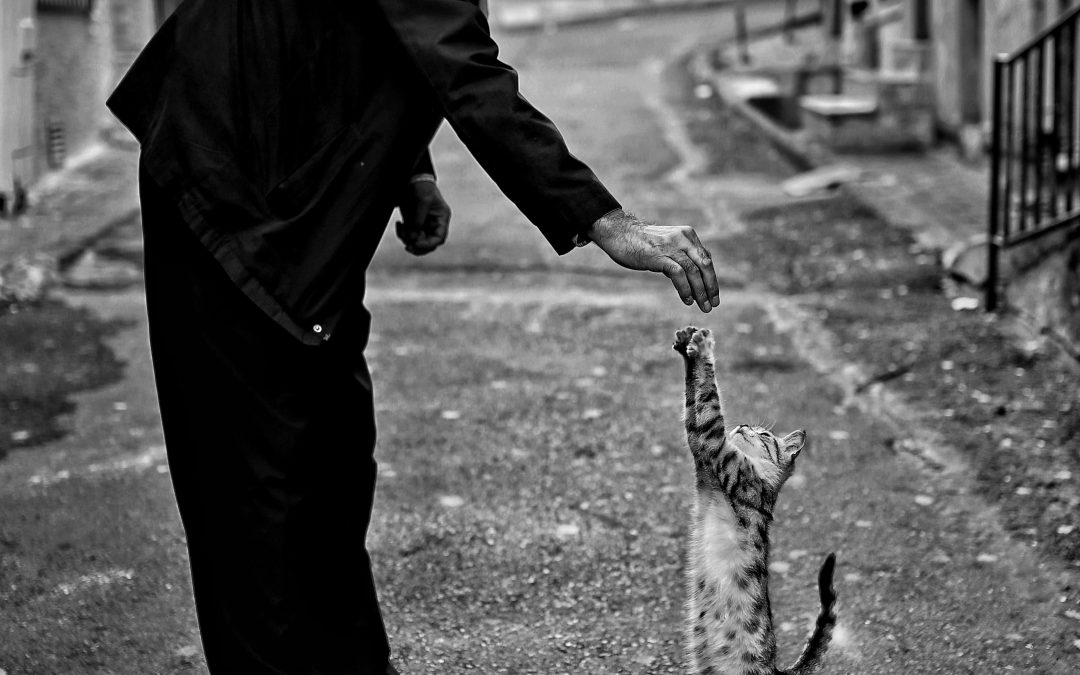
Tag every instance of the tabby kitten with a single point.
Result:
(729, 627)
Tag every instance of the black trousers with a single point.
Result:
(270, 446)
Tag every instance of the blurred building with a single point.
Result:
(58, 61)
(916, 70)
(966, 35)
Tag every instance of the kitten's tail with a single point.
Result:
(818, 643)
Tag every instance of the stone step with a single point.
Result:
(861, 124)
(835, 106)
(894, 90)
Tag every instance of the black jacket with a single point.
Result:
(285, 129)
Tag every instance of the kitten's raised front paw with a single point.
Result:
(682, 339)
(692, 342)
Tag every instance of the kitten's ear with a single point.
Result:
(793, 444)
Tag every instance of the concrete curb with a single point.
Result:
(535, 16)
(28, 277)
(28, 273)
(798, 150)
(67, 254)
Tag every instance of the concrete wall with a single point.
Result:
(163, 8)
(79, 60)
(1010, 24)
(964, 36)
(74, 65)
(945, 36)
(1005, 26)
(133, 22)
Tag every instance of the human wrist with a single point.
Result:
(587, 235)
(603, 226)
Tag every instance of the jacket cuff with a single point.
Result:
(579, 215)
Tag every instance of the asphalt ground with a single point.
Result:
(534, 482)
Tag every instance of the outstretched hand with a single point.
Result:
(675, 252)
(425, 218)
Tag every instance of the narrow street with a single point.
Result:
(534, 479)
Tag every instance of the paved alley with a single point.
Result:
(535, 483)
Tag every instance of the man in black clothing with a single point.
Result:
(277, 136)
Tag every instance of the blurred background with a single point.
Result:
(890, 190)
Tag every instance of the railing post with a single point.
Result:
(1039, 138)
(1025, 140)
(993, 242)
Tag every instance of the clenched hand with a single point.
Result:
(675, 252)
(425, 218)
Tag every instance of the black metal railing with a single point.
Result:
(1035, 156)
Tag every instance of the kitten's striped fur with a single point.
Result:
(739, 475)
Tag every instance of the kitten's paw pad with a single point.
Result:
(701, 343)
(682, 339)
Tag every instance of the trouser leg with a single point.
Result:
(270, 446)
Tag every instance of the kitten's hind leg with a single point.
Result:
(704, 415)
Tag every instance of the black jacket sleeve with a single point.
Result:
(423, 164)
(450, 44)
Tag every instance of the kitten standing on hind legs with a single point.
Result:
(739, 475)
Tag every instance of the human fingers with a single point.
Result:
(415, 240)
(700, 256)
(693, 277)
(422, 245)
(675, 272)
(432, 235)
(404, 233)
(438, 225)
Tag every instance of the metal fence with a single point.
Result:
(1035, 156)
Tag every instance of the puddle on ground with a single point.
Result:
(48, 353)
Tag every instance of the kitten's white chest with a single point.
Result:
(719, 548)
(719, 552)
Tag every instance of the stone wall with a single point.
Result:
(1043, 276)
(1047, 294)
(945, 36)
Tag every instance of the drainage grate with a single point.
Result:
(66, 6)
